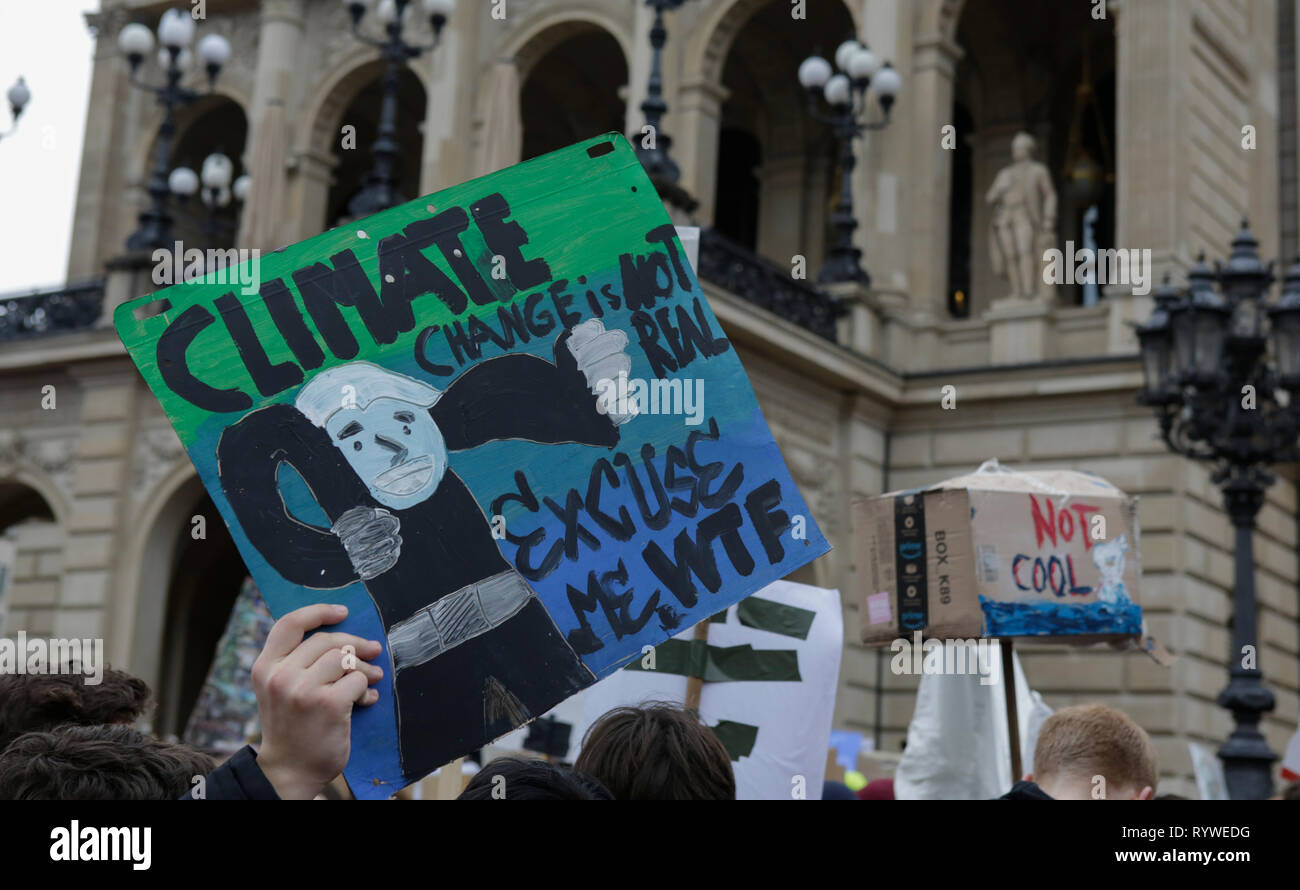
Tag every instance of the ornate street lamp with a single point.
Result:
(653, 153)
(380, 189)
(175, 33)
(1220, 397)
(215, 190)
(845, 95)
(18, 95)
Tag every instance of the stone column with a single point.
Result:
(450, 93)
(883, 177)
(1152, 171)
(98, 519)
(929, 99)
(102, 182)
(309, 197)
(278, 41)
(695, 146)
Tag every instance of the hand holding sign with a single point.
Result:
(305, 697)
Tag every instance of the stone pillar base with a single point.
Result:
(859, 330)
(1126, 310)
(1018, 329)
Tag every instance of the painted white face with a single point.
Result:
(394, 447)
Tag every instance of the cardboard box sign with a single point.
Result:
(1033, 554)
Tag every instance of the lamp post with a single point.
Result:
(380, 189)
(1220, 398)
(653, 153)
(215, 190)
(845, 95)
(18, 95)
(175, 33)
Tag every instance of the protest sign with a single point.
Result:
(1000, 553)
(770, 666)
(500, 423)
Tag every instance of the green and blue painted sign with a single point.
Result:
(500, 423)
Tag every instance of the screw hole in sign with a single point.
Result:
(603, 148)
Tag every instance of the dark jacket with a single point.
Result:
(1026, 791)
(239, 778)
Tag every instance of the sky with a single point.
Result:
(48, 43)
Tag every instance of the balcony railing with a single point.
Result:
(72, 308)
(739, 270)
(722, 261)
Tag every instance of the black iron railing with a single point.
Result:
(722, 261)
(747, 275)
(72, 308)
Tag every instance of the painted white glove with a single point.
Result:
(601, 358)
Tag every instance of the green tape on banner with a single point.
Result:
(717, 664)
(737, 738)
(778, 618)
(718, 618)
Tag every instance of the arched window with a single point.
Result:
(355, 162)
(212, 124)
(31, 561)
(776, 170)
(1047, 69)
(572, 92)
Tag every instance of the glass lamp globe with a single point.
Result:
(176, 28)
(814, 72)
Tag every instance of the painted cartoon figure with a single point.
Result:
(474, 651)
(1108, 556)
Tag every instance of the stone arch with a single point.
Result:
(32, 551)
(775, 173)
(570, 91)
(323, 111)
(29, 477)
(315, 137)
(142, 157)
(551, 27)
(141, 604)
(713, 34)
(698, 108)
(174, 606)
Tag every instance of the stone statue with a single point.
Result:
(1024, 219)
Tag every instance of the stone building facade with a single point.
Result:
(100, 499)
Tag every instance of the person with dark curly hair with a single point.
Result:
(106, 762)
(41, 702)
(522, 778)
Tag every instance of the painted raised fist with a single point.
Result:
(601, 358)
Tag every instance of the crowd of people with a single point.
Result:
(62, 739)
